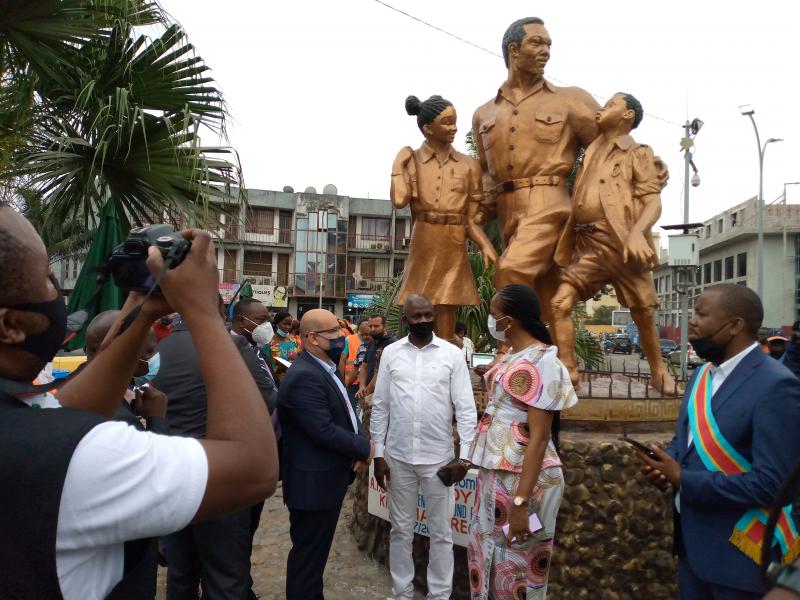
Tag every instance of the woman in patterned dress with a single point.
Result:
(520, 470)
(284, 344)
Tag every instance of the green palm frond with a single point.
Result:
(148, 165)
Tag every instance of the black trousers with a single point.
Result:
(214, 555)
(312, 535)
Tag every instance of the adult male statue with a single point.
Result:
(528, 137)
(615, 203)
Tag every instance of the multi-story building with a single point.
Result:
(728, 243)
(314, 249)
(303, 250)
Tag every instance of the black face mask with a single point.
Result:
(707, 349)
(421, 330)
(45, 344)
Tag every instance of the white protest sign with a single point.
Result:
(464, 492)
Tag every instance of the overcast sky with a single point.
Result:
(316, 88)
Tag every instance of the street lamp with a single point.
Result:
(748, 111)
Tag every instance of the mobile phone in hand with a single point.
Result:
(646, 450)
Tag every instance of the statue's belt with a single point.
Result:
(440, 218)
(526, 182)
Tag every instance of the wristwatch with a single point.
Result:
(784, 576)
(520, 501)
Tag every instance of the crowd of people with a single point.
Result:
(165, 444)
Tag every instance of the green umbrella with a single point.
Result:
(109, 234)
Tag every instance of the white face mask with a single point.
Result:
(491, 323)
(263, 334)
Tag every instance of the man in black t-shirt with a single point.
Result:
(369, 368)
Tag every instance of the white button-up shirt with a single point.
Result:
(415, 395)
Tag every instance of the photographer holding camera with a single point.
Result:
(77, 487)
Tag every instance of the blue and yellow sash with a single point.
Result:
(717, 454)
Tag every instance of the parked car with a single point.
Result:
(667, 347)
(692, 360)
(622, 345)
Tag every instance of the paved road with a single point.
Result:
(349, 575)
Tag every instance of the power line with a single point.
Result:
(479, 47)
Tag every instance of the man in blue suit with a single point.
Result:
(323, 445)
(755, 405)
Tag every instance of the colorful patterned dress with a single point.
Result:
(497, 569)
(286, 348)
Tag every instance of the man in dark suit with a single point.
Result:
(752, 408)
(216, 552)
(323, 444)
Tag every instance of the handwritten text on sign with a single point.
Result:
(464, 493)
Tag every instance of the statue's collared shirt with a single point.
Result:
(614, 178)
(446, 186)
(540, 134)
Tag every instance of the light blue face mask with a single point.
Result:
(153, 365)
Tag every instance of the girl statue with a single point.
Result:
(443, 187)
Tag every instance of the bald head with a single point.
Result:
(415, 302)
(317, 319)
(97, 330)
(25, 268)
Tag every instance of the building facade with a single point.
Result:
(728, 243)
(303, 250)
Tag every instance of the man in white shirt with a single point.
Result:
(79, 487)
(422, 380)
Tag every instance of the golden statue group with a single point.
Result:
(528, 137)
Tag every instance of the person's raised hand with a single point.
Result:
(191, 288)
(150, 402)
(518, 525)
(662, 472)
(382, 474)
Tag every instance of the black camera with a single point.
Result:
(127, 261)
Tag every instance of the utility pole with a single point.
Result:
(683, 275)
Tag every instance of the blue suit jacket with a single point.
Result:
(757, 409)
(319, 444)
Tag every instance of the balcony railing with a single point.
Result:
(308, 284)
(273, 235)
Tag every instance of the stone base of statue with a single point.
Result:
(614, 532)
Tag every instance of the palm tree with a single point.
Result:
(91, 113)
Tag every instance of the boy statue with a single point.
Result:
(607, 239)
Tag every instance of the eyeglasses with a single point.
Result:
(331, 330)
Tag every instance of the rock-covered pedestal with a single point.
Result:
(614, 532)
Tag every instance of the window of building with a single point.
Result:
(741, 264)
(399, 266)
(719, 226)
(74, 268)
(283, 270)
(375, 268)
(698, 276)
(734, 216)
(667, 283)
(729, 267)
(718, 270)
(375, 227)
(261, 220)
(285, 227)
(707, 273)
(229, 273)
(708, 231)
(257, 263)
